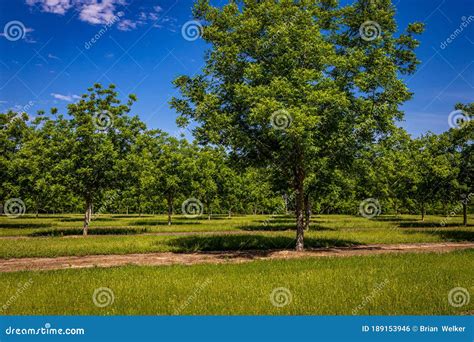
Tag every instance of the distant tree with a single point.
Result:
(461, 139)
(431, 170)
(175, 169)
(102, 134)
(207, 168)
(14, 132)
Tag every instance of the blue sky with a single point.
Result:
(143, 50)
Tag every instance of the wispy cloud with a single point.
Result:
(68, 98)
(91, 11)
(51, 56)
(99, 12)
(52, 6)
(127, 25)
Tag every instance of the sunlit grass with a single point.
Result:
(255, 232)
(412, 284)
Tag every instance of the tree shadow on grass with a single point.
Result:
(26, 225)
(131, 216)
(80, 219)
(278, 220)
(40, 217)
(162, 223)
(430, 225)
(281, 227)
(269, 227)
(450, 235)
(213, 217)
(91, 231)
(249, 242)
(393, 219)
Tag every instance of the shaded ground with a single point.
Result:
(116, 232)
(156, 259)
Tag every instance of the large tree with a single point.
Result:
(101, 135)
(289, 82)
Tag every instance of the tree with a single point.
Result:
(287, 83)
(175, 167)
(431, 170)
(14, 131)
(207, 165)
(461, 138)
(101, 134)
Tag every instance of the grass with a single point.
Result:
(27, 224)
(50, 236)
(408, 284)
(411, 283)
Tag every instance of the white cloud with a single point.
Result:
(99, 12)
(50, 55)
(153, 16)
(127, 25)
(90, 11)
(68, 98)
(52, 6)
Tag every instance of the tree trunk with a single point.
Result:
(87, 217)
(299, 189)
(307, 212)
(464, 212)
(170, 210)
(230, 213)
(423, 211)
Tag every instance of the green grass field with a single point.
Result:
(384, 284)
(51, 236)
(395, 284)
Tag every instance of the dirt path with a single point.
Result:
(157, 259)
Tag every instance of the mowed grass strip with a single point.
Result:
(125, 244)
(28, 224)
(409, 284)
